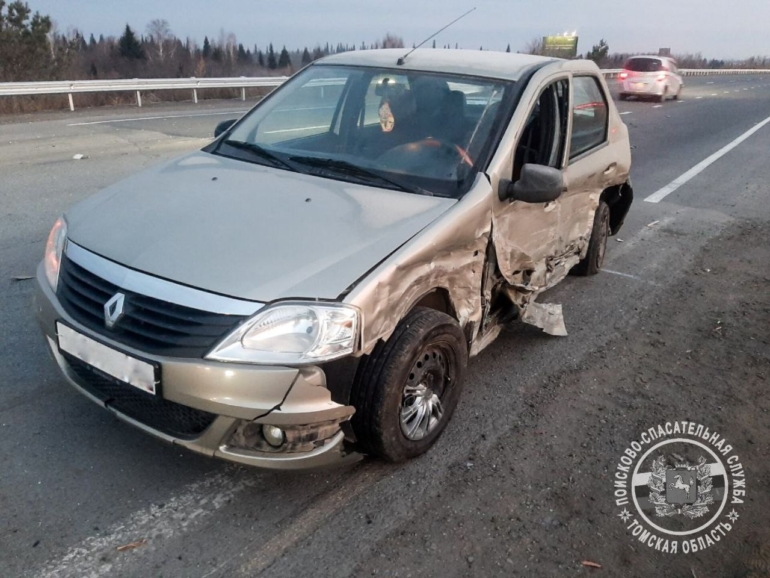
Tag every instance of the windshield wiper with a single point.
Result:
(261, 152)
(353, 170)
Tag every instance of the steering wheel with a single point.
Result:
(421, 146)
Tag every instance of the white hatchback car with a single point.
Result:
(650, 76)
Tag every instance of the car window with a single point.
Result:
(543, 139)
(305, 112)
(643, 65)
(413, 129)
(589, 115)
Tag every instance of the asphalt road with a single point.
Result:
(76, 483)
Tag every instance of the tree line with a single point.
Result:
(32, 48)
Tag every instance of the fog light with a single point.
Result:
(273, 435)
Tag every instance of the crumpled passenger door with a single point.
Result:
(527, 236)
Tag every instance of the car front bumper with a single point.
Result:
(237, 398)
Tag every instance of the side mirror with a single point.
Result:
(223, 126)
(538, 184)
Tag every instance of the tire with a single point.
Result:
(597, 246)
(428, 349)
(678, 93)
(664, 96)
(623, 96)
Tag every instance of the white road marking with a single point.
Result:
(698, 97)
(158, 117)
(658, 196)
(658, 106)
(727, 92)
(156, 524)
(627, 112)
(628, 275)
(713, 94)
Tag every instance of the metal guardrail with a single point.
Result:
(613, 72)
(139, 85)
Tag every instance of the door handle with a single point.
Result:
(610, 168)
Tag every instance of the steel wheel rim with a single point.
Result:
(427, 384)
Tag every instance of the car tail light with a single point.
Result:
(662, 76)
(623, 75)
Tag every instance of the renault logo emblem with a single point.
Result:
(113, 309)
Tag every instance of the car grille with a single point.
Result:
(166, 416)
(148, 324)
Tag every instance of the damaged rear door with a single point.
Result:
(592, 165)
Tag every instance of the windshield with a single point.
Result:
(409, 130)
(643, 65)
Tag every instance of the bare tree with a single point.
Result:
(534, 46)
(162, 37)
(392, 41)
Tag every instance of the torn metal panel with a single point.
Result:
(448, 255)
(546, 316)
(482, 341)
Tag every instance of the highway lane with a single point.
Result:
(78, 483)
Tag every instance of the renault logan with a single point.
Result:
(309, 287)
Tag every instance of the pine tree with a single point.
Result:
(434, 43)
(508, 49)
(206, 47)
(242, 54)
(129, 46)
(261, 59)
(272, 64)
(91, 41)
(283, 60)
(94, 73)
(306, 57)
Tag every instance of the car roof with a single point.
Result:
(501, 65)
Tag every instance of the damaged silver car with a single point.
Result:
(309, 287)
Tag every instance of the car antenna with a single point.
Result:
(401, 61)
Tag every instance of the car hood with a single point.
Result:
(247, 230)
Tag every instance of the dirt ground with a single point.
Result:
(540, 505)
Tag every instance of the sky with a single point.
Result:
(715, 28)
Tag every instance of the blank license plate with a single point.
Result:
(638, 85)
(133, 371)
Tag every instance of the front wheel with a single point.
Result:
(409, 386)
(597, 246)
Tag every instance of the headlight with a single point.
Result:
(53, 250)
(292, 333)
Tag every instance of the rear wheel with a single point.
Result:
(597, 246)
(664, 96)
(678, 93)
(623, 96)
(409, 386)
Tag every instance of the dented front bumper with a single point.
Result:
(211, 407)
